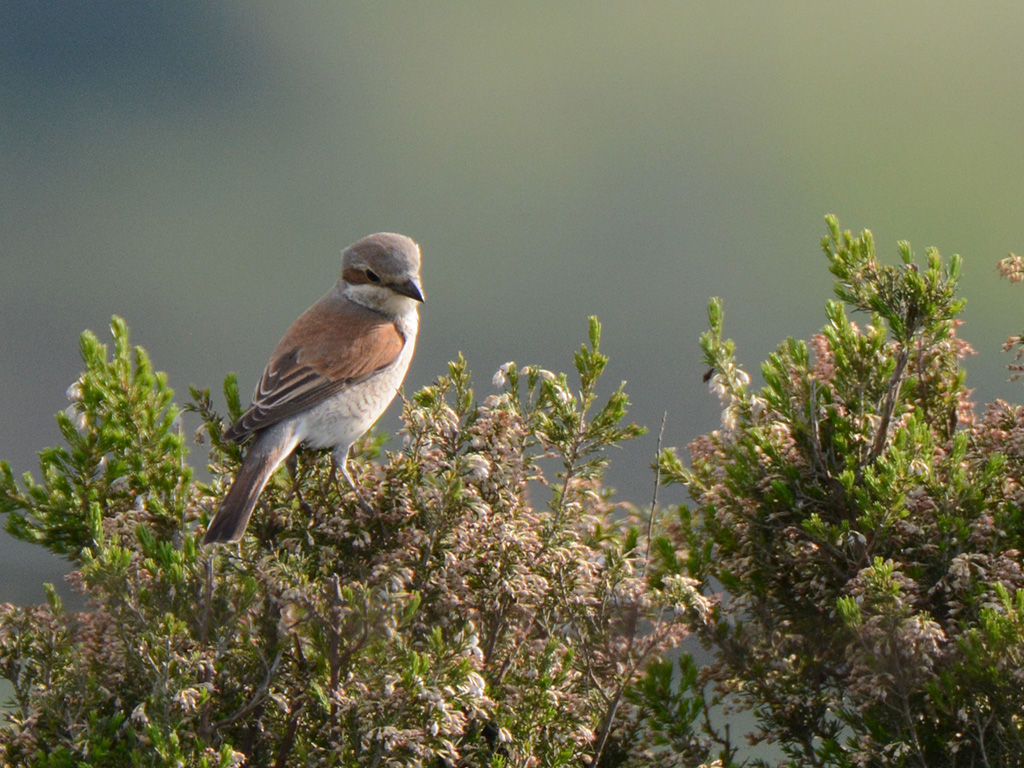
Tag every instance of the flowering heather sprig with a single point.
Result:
(1011, 268)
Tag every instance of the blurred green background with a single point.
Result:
(197, 167)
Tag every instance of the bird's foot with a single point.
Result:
(360, 499)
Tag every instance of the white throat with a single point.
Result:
(380, 299)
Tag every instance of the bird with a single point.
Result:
(332, 375)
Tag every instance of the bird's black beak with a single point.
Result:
(410, 288)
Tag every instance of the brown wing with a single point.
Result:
(333, 345)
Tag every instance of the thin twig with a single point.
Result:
(288, 742)
(889, 406)
(204, 627)
(205, 674)
(257, 697)
(654, 498)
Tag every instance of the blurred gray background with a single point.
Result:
(197, 167)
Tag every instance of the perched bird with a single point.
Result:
(332, 375)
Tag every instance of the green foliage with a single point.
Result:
(866, 525)
(483, 614)
(124, 448)
(909, 300)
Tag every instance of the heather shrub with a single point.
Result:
(493, 610)
(863, 526)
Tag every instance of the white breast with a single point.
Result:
(340, 420)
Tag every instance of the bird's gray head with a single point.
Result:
(383, 272)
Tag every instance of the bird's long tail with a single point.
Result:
(258, 466)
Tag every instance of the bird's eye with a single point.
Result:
(372, 276)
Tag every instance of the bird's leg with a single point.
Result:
(292, 464)
(343, 466)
